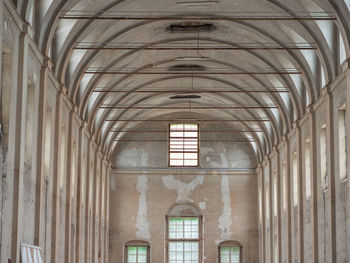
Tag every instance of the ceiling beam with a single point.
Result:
(190, 91)
(155, 140)
(252, 72)
(266, 17)
(194, 48)
(201, 131)
(187, 107)
(188, 120)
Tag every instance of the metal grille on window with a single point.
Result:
(183, 144)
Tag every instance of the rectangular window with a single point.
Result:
(275, 193)
(183, 234)
(267, 197)
(284, 176)
(5, 93)
(260, 205)
(47, 140)
(275, 249)
(230, 254)
(137, 254)
(323, 159)
(295, 178)
(183, 145)
(342, 143)
(307, 169)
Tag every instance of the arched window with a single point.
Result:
(137, 252)
(230, 252)
(184, 234)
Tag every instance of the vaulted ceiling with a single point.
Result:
(257, 63)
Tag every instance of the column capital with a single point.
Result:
(296, 124)
(309, 109)
(63, 89)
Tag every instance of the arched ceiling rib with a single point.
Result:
(59, 38)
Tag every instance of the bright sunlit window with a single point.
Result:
(342, 143)
(230, 252)
(184, 238)
(137, 252)
(183, 145)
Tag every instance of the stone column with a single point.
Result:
(81, 188)
(331, 173)
(55, 203)
(19, 141)
(300, 195)
(271, 223)
(259, 172)
(279, 207)
(347, 72)
(263, 217)
(39, 238)
(289, 201)
(313, 174)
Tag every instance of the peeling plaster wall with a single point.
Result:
(228, 204)
(225, 220)
(315, 228)
(183, 189)
(50, 195)
(143, 189)
(142, 224)
(213, 155)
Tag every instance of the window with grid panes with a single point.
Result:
(183, 144)
(230, 254)
(137, 254)
(184, 240)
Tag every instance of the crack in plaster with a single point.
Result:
(183, 189)
(142, 224)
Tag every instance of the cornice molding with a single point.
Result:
(171, 171)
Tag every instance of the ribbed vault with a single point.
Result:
(268, 65)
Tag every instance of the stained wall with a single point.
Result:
(311, 196)
(53, 173)
(140, 202)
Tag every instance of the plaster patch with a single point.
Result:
(225, 220)
(142, 224)
(183, 189)
(217, 242)
(144, 158)
(223, 160)
(202, 205)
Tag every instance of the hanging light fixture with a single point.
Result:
(198, 3)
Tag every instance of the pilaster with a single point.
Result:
(313, 173)
(19, 146)
(331, 173)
